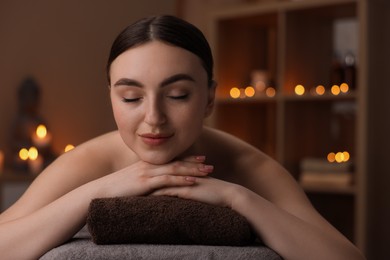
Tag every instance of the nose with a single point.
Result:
(155, 113)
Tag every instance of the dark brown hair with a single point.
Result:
(168, 29)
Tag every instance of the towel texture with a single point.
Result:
(81, 247)
(165, 220)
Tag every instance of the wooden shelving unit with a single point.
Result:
(293, 42)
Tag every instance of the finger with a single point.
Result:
(200, 159)
(194, 159)
(165, 181)
(181, 192)
(181, 168)
(189, 168)
(206, 168)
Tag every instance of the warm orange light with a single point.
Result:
(234, 92)
(23, 154)
(270, 92)
(33, 153)
(250, 91)
(339, 157)
(69, 147)
(299, 90)
(335, 90)
(346, 156)
(344, 87)
(1, 161)
(320, 90)
(41, 131)
(331, 157)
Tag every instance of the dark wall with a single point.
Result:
(378, 178)
(64, 46)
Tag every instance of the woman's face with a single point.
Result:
(160, 97)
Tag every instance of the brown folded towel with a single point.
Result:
(165, 220)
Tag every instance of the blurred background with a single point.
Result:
(304, 81)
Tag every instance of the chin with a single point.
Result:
(156, 159)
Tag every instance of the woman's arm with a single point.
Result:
(55, 206)
(300, 234)
(30, 236)
(87, 162)
(270, 199)
(291, 226)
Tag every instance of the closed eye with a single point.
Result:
(180, 97)
(131, 100)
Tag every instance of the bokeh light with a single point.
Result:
(299, 90)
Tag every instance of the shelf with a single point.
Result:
(257, 99)
(255, 37)
(288, 97)
(325, 97)
(280, 6)
(290, 43)
(309, 47)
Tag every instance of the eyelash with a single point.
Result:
(133, 100)
(181, 97)
(130, 100)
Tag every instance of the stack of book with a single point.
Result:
(315, 171)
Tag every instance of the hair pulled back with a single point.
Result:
(168, 29)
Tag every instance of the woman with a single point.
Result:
(161, 88)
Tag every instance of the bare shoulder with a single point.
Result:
(234, 159)
(246, 165)
(93, 159)
(107, 150)
(221, 146)
(88, 161)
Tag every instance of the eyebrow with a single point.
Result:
(170, 80)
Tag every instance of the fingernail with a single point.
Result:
(200, 158)
(206, 168)
(190, 179)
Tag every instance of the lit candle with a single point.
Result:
(299, 90)
(335, 90)
(35, 161)
(23, 154)
(331, 157)
(1, 161)
(270, 92)
(41, 137)
(344, 87)
(338, 157)
(35, 165)
(250, 91)
(346, 156)
(320, 90)
(234, 93)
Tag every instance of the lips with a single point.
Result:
(155, 139)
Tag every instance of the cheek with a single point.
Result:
(118, 114)
(122, 115)
(191, 118)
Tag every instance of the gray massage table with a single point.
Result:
(82, 247)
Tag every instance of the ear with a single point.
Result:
(210, 99)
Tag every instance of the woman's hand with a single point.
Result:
(205, 189)
(142, 178)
